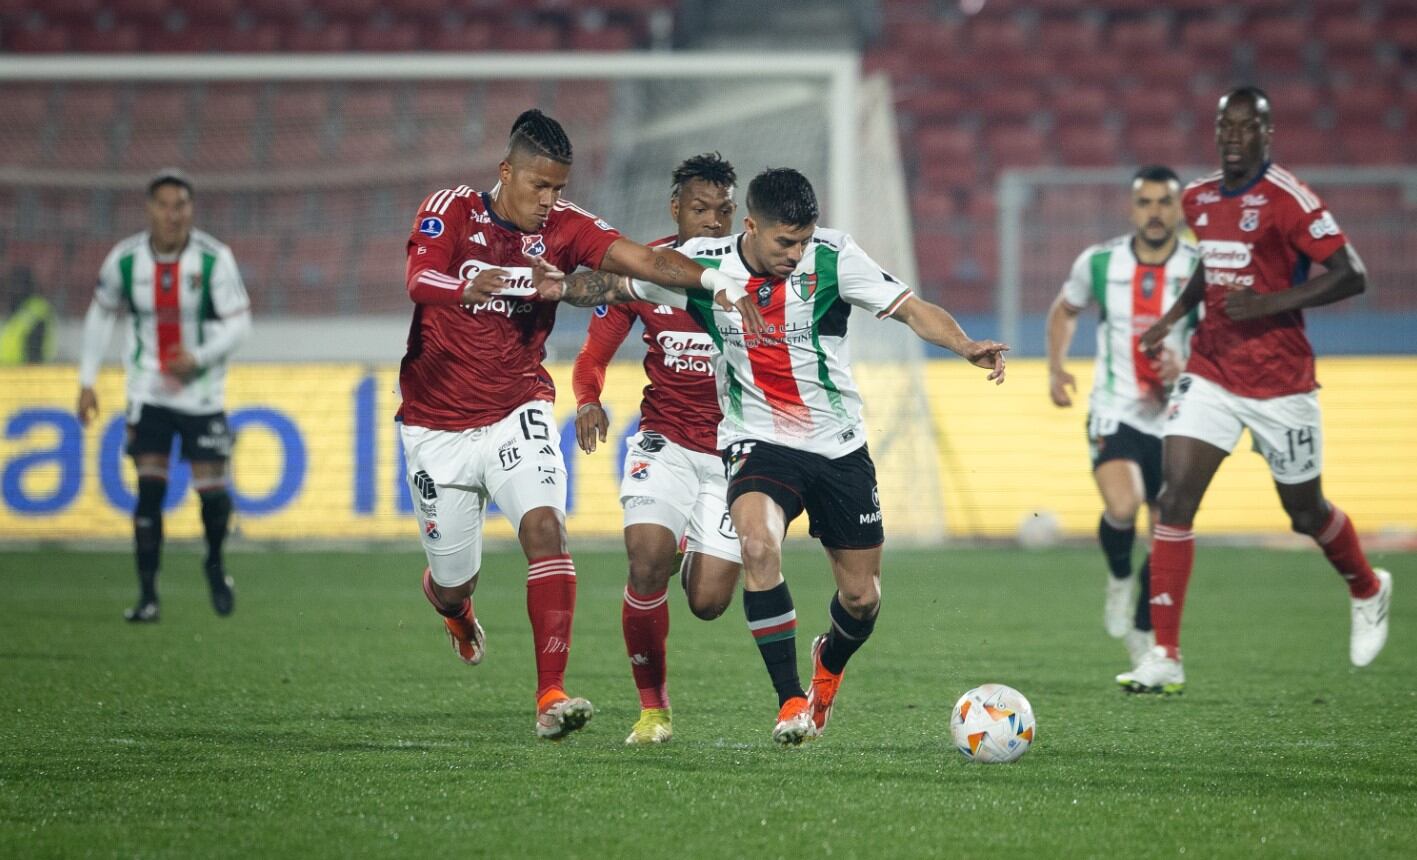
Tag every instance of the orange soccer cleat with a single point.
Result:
(794, 723)
(824, 687)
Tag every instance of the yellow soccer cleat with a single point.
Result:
(653, 727)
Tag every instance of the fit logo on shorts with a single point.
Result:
(426, 488)
(509, 455)
(725, 527)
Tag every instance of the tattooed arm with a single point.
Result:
(589, 289)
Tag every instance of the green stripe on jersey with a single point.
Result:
(827, 294)
(1101, 262)
(701, 307)
(125, 273)
(207, 309)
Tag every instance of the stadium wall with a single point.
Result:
(317, 456)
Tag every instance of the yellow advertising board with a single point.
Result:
(317, 455)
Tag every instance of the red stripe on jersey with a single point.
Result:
(771, 361)
(167, 311)
(1148, 289)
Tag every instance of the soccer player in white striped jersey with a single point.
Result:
(189, 310)
(792, 435)
(1132, 280)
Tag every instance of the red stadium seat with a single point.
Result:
(89, 105)
(39, 40)
(299, 147)
(369, 103)
(124, 38)
(379, 276)
(999, 35)
(1081, 103)
(371, 146)
(1011, 103)
(1291, 102)
(472, 36)
(223, 147)
(935, 105)
(150, 149)
(532, 38)
(236, 103)
(1088, 146)
(1211, 40)
(399, 36)
(608, 38)
(26, 104)
(441, 101)
(63, 10)
(1016, 145)
(1304, 144)
(945, 143)
(299, 102)
(1159, 144)
(261, 38)
(1063, 37)
(277, 11)
(1348, 31)
(165, 106)
(1139, 38)
(333, 36)
(1373, 145)
(145, 12)
(1153, 106)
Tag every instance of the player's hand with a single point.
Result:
(731, 295)
(88, 406)
(549, 281)
(1059, 383)
(1168, 366)
(484, 286)
(1152, 338)
(1246, 304)
(183, 365)
(987, 353)
(591, 421)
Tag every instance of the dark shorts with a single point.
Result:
(839, 496)
(1129, 443)
(205, 438)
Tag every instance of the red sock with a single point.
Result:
(1339, 541)
(551, 604)
(645, 619)
(1173, 554)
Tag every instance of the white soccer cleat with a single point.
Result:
(1370, 622)
(559, 715)
(1138, 643)
(1156, 673)
(1117, 612)
(794, 723)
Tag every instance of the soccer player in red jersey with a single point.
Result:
(1252, 366)
(476, 415)
(673, 484)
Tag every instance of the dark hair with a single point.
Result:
(169, 176)
(1156, 173)
(1254, 95)
(710, 167)
(539, 134)
(781, 195)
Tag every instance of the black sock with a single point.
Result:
(216, 514)
(1143, 619)
(846, 635)
(147, 534)
(773, 623)
(1117, 546)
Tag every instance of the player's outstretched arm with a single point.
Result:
(935, 324)
(1191, 296)
(592, 289)
(1345, 277)
(669, 268)
(1062, 325)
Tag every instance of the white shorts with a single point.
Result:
(685, 491)
(1286, 430)
(515, 463)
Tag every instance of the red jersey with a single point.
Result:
(681, 400)
(1262, 236)
(472, 366)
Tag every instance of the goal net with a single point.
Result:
(310, 168)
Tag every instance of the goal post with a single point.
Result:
(310, 167)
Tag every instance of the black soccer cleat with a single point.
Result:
(223, 593)
(142, 612)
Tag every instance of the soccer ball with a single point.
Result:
(993, 724)
(1039, 529)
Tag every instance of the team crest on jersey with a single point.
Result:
(601, 310)
(805, 285)
(1148, 284)
(639, 470)
(533, 246)
(430, 530)
(167, 280)
(765, 295)
(194, 281)
(1250, 220)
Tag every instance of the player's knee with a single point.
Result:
(1123, 510)
(1175, 506)
(1306, 522)
(761, 554)
(860, 602)
(649, 574)
(542, 533)
(708, 607)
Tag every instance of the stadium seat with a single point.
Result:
(1139, 38)
(142, 12)
(530, 38)
(1069, 37)
(398, 36)
(608, 38)
(261, 38)
(123, 38)
(472, 36)
(1152, 106)
(1088, 146)
(996, 36)
(1083, 103)
(331, 37)
(150, 149)
(369, 103)
(1016, 145)
(1160, 144)
(160, 106)
(1372, 145)
(52, 39)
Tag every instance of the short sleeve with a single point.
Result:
(109, 291)
(1309, 227)
(433, 237)
(863, 283)
(1077, 289)
(591, 237)
(228, 291)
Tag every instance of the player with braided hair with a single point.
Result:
(476, 419)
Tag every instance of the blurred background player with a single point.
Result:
(27, 334)
(673, 485)
(476, 414)
(792, 436)
(1133, 280)
(190, 313)
(1252, 367)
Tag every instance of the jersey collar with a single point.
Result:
(1247, 186)
(1132, 249)
(497, 219)
(743, 257)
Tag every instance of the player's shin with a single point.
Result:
(147, 533)
(773, 623)
(847, 634)
(645, 622)
(1173, 555)
(551, 606)
(1117, 540)
(1142, 620)
(1339, 541)
(216, 519)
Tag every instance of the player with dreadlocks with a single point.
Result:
(673, 485)
(476, 418)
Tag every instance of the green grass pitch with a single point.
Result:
(329, 718)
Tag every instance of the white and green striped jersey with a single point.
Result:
(176, 302)
(792, 385)
(1130, 297)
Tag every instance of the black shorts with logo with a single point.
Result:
(204, 437)
(1129, 443)
(839, 496)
